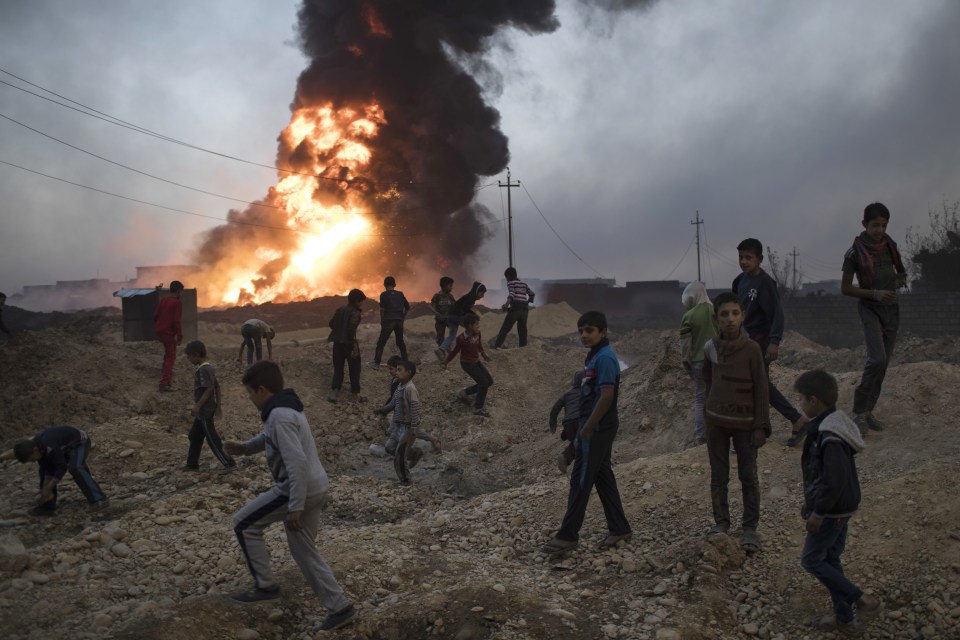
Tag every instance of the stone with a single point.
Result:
(247, 634)
(102, 621)
(13, 555)
(499, 587)
(226, 562)
(668, 634)
(121, 550)
(751, 628)
(275, 615)
(609, 630)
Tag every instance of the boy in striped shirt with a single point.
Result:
(517, 306)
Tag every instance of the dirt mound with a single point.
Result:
(455, 555)
(548, 321)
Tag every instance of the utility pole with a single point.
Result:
(794, 254)
(508, 186)
(698, 222)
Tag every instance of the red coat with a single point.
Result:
(166, 318)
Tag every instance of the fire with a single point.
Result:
(334, 142)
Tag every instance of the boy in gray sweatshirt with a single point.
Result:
(297, 498)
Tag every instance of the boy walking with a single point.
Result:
(737, 410)
(297, 499)
(207, 404)
(831, 495)
(346, 347)
(166, 324)
(393, 309)
(875, 260)
(441, 302)
(763, 322)
(470, 347)
(57, 450)
(696, 327)
(405, 423)
(599, 422)
(517, 306)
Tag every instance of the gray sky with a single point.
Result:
(774, 120)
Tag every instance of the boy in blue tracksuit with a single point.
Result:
(831, 495)
(594, 444)
(763, 322)
(297, 498)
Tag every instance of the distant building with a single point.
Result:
(138, 306)
(820, 288)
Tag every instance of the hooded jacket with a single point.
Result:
(830, 484)
(697, 325)
(738, 395)
(290, 449)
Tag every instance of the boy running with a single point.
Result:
(517, 306)
(441, 302)
(207, 404)
(470, 347)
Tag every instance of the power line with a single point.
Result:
(557, 234)
(692, 240)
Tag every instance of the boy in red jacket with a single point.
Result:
(166, 324)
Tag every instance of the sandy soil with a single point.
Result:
(455, 555)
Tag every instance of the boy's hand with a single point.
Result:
(486, 358)
(885, 297)
(758, 438)
(193, 412)
(813, 523)
(45, 496)
(773, 352)
(293, 520)
(234, 448)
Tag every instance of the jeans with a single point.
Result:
(777, 400)
(718, 448)
(386, 328)
(77, 466)
(481, 376)
(880, 324)
(349, 354)
(252, 340)
(699, 399)
(440, 326)
(515, 315)
(821, 559)
(592, 467)
(453, 323)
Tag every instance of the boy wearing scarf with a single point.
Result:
(875, 260)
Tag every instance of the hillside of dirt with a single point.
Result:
(455, 554)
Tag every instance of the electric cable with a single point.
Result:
(692, 240)
(599, 275)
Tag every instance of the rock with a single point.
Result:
(609, 630)
(751, 628)
(247, 634)
(13, 555)
(121, 550)
(102, 621)
(126, 453)
(668, 634)
(275, 615)
(660, 589)
(226, 562)
(38, 578)
(499, 587)
(133, 444)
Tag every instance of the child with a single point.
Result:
(393, 363)
(346, 348)
(440, 303)
(763, 322)
(737, 409)
(405, 406)
(831, 495)
(207, 404)
(458, 312)
(696, 328)
(470, 347)
(599, 422)
(517, 306)
(569, 403)
(297, 499)
(875, 260)
(166, 324)
(58, 450)
(253, 332)
(393, 309)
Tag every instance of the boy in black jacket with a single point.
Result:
(831, 493)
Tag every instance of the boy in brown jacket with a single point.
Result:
(737, 410)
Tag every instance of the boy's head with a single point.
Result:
(389, 282)
(176, 287)
(26, 450)
(750, 255)
(729, 314)
(392, 363)
(510, 273)
(471, 321)
(876, 217)
(406, 370)
(355, 297)
(577, 378)
(446, 284)
(261, 380)
(195, 351)
(593, 328)
(480, 289)
(3, 298)
(271, 333)
(818, 392)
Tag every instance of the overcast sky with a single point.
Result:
(774, 120)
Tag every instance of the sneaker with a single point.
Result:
(166, 388)
(336, 620)
(256, 594)
(483, 413)
(332, 396)
(872, 422)
(190, 468)
(717, 529)
(869, 607)
(860, 419)
(227, 470)
(828, 623)
(356, 397)
(562, 463)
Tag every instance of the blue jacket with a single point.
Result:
(762, 312)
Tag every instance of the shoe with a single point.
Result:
(440, 353)
(336, 620)
(43, 512)
(828, 623)
(870, 609)
(872, 422)
(356, 397)
(562, 463)
(716, 530)
(190, 468)
(860, 419)
(332, 396)
(256, 594)
(227, 470)
(166, 388)
(612, 541)
(557, 547)
(750, 541)
(483, 413)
